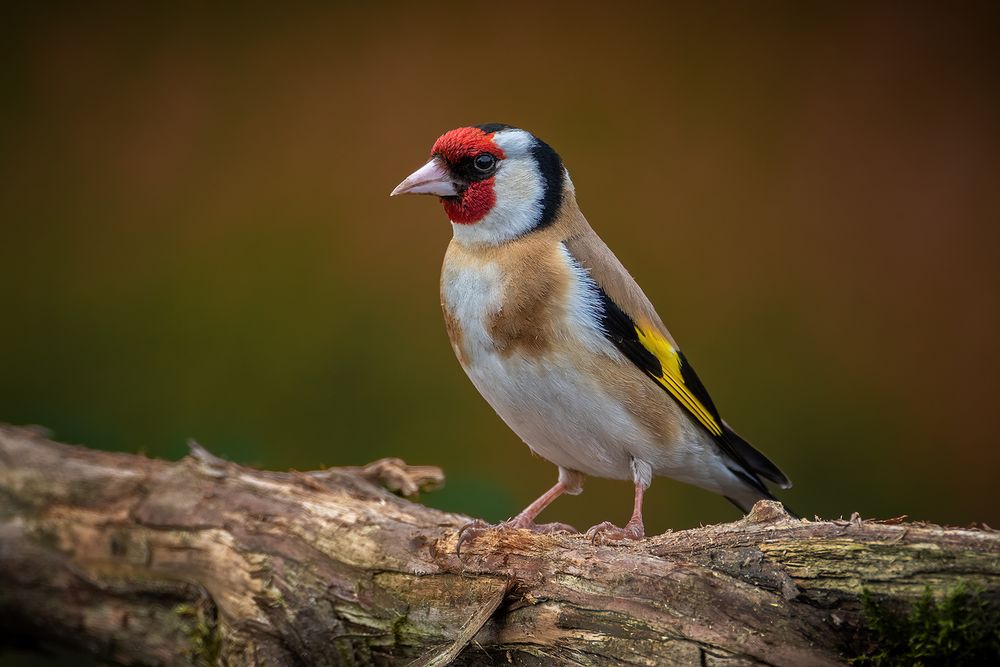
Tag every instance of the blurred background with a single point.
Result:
(197, 239)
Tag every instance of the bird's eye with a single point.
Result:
(484, 162)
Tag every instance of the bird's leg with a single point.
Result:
(633, 530)
(524, 520)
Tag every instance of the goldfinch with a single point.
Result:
(561, 341)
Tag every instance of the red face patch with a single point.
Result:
(465, 142)
(479, 197)
(473, 204)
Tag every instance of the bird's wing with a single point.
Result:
(650, 350)
(631, 323)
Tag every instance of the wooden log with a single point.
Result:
(202, 561)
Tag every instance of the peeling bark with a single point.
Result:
(202, 561)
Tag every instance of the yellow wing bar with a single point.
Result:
(672, 377)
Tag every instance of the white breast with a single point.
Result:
(471, 294)
(562, 414)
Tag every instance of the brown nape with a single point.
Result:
(602, 264)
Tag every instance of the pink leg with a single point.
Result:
(525, 520)
(633, 530)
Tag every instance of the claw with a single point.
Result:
(470, 531)
(608, 531)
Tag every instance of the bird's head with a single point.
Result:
(496, 182)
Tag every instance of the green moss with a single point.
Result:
(398, 629)
(274, 598)
(962, 628)
(203, 635)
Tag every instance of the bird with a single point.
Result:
(562, 342)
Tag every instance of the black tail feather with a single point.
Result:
(750, 465)
(752, 459)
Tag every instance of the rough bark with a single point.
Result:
(203, 561)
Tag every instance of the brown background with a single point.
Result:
(197, 240)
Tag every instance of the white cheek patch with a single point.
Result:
(519, 189)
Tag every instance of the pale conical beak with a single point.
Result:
(431, 179)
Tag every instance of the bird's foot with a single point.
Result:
(477, 528)
(609, 532)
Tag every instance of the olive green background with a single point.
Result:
(197, 239)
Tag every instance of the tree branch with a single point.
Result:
(203, 561)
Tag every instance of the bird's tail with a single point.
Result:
(754, 461)
(749, 466)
